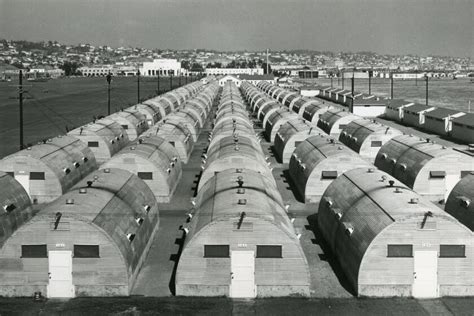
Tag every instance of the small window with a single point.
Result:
(86, 251)
(265, 251)
(145, 175)
(125, 126)
(34, 251)
(216, 251)
(297, 143)
(329, 174)
(437, 174)
(376, 143)
(342, 126)
(92, 144)
(463, 173)
(11, 173)
(172, 143)
(452, 251)
(399, 251)
(36, 175)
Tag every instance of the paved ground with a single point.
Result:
(223, 306)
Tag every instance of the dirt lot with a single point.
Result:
(52, 105)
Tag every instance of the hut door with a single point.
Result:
(242, 282)
(425, 276)
(60, 274)
(24, 180)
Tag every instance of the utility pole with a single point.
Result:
(267, 61)
(186, 79)
(158, 83)
(179, 80)
(352, 84)
(426, 79)
(20, 99)
(391, 86)
(138, 86)
(331, 81)
(109, 79)
(342, 79)
(370, 77)
(171, 82)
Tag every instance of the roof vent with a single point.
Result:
(391, 183)
(69, 201)
(464, 201)
(240, 190)
(85, 159)
(238, 170)
(349, 229)
(403, 166)
(106, 170)
(147, 208)
(132, 148)
(83, 190)
(168, 170)
(414, 201)
(76, 164)
(130, 237)
(67, 170)
(383, 156)
(370, 170)
(393, 160)
(172, 164)
(8, 208)
(139, 220)
(398, 190)
(242, 202)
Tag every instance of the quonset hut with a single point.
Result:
(90, 242)
(132, 121)
(48, 170)
(104, 138)
(240, 241)
(332, 122)
(389, 241)
(177, 134)
(430, 169)
(234, 152)
(290, 135)
(153, 160)
(317, 161)
(460, 203)
(276, 120)
(365, 137)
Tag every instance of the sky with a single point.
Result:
(421, 27)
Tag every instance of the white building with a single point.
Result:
(97, 70)
(234, 71)
(162, 67)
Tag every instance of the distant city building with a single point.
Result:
(96, 71)
(231, 78)
(162, 67)
(311, 73)
(255, 79)
(233, 71)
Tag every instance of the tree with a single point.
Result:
(264, 66)
(70, 68)
(196, 67)
(185, 64)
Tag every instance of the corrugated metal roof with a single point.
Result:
(441, 113)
